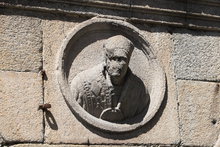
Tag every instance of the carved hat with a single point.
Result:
(118, 45)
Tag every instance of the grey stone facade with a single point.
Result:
(185, 40)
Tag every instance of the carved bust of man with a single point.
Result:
(110, 91)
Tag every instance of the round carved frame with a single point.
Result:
(158, 86)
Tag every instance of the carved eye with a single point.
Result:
(121, 59)
(118, 59)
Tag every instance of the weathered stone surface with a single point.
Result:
(60, 122)
(191, 14)
(217, 144)
(196, 55)
(20, 43)
(162, 44)
(65, 128)
(199, 109)
(61, 145)
(193, 54)
(20, 96)
(119, 105)
(134, 96)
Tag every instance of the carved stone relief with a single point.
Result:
(109, 76)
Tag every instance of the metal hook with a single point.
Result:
(44, 106)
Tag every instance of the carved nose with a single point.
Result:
(115, 64)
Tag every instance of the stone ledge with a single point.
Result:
(70, 145)
(200, 18)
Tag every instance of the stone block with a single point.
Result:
(20, 96)
(199, 109)
(63, 127)
(20, 43)
(196, 55)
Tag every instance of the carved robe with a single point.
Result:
(95, 93)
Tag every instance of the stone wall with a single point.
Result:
(184, 35)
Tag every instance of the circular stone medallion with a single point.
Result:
(109, 76)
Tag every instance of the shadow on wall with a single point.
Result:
(142, 26)
(194, 6)
(182, 13)
(51, 120)
(175, 30)
(180, 5)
